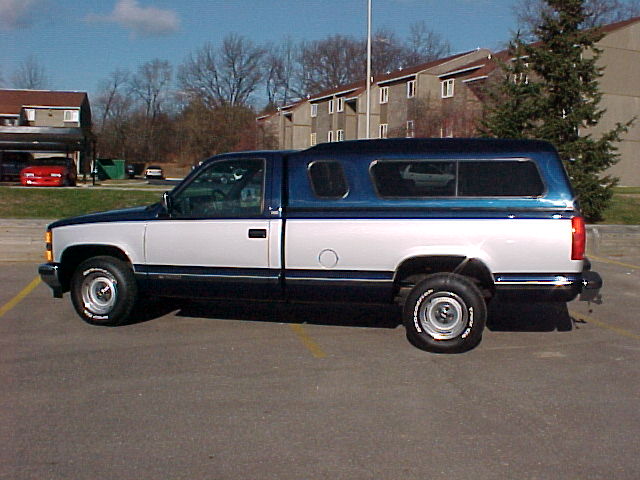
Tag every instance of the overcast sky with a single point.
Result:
(79, 42)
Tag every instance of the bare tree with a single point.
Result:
(199, 78)
(424, 45)
(529, 13)
(30, 75)
(241, 69)
(328, 63)
(387, 52)
(280, 67)
(151, 85)
(226, 76)
(111, 93)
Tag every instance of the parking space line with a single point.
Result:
(20, 296)
(614, 262)
(601, 324)
(307, 341)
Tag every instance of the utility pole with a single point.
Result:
(368, 117)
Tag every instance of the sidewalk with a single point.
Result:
(22, 240)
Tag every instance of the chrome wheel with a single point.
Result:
(99, 292)
(442, 315)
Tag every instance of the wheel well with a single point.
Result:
(74, 256)
(413, 270)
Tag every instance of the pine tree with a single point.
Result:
(550, 91)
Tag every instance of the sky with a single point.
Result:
(80, 42)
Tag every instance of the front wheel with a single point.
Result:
(104, 291)
(445, 313)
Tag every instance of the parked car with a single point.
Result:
(49, 172)
(154, 172)
(12, 163)
(131, 170)
(337, 222)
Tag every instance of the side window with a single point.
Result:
(228, 188)
(414, 179)
(328, 179)
(497, 178)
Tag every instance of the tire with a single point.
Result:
(445, 313)
(104, 291)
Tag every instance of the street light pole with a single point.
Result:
(368, 117)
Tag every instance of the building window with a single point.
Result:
(447, 88)
(30, 113)
(411, 129)
(331, 106)
(411, 88)
(340, 104)
(382, 130)
(330, 136)
(71, 116)
(339, 135)
(314, 110)
(314, 139)
(384, 94)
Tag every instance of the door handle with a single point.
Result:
(257, 233)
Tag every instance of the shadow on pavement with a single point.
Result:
(502, 316)
(529, 317)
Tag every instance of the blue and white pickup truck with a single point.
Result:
(440, 226)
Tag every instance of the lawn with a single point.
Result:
(625, 207)
(18, 202)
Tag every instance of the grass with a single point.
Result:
(625, 207)
(67, 202)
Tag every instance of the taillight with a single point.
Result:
(578, 238)
(48, 240)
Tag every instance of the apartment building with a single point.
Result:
(444, 98)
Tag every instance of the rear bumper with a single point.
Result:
(49, 273)
(591, 285)
(559, 287)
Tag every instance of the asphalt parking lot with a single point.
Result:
(252, 391)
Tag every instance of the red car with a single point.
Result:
(49, 172)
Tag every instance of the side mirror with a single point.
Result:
(167, 203)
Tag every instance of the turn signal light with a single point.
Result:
(578, 239)
(48, 240)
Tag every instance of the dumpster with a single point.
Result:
(110, 169)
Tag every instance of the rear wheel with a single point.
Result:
(104, 291)
(445, 313)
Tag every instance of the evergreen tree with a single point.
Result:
(550, 91)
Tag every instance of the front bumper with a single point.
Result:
(50, 274)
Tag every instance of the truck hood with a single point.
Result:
(135, 214)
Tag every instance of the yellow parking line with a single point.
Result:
(20, 296)
(614, 262)
(601, 324)
(307, 341)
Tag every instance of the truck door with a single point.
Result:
(219, 238)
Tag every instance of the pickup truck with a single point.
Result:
(439, 226)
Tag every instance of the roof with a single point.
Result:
(419, 68)
(463, 146)
(12, 101)
(618, 25)
(356, 88)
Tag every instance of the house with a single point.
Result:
(45, 123)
